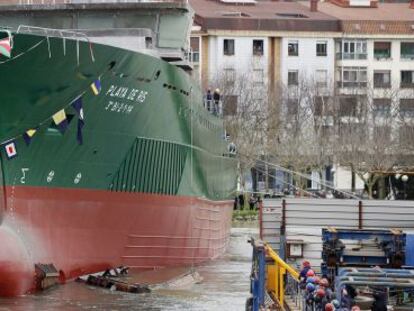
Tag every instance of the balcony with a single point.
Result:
(407, 56)
(382, 56)
(382, 79)
(407, 79)
(407, 85)
(407, 50)
(382, 50)
(348, 56)
(351, 84)
(382, 85)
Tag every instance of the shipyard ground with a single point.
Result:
(225, 286)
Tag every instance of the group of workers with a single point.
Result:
(318, 294)
(254, 201)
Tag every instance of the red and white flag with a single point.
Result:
(11, 150)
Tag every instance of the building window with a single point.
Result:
(353, 49)
(382, 79)
(407, 107)
(195, 49)
(230, 105)
(293, 77)
(258, 76)
(228, 47)
(293, 106)
(353, 77)
(382, 50)
(382, 107)
(382, 134)
(293, 48)
(407, 50)
(321, 48)
(407, 79)
(348, 106)
(406, 133)
(258, 47)
(321, 106)
(321, 78)
(229, 76)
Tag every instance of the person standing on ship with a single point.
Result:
(216, 97)
(209, 100)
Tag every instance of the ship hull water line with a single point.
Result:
(149, 187)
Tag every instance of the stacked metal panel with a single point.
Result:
(305, 218)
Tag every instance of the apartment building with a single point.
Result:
(375, 48)
(374, 63)
(342, 47)
(249, 36)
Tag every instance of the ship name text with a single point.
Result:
(118, 93)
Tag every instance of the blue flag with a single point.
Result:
(77, 105)
(79, 136)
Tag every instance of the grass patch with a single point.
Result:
(245, 214)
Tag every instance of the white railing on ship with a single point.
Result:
(40, 2)
(51, 32)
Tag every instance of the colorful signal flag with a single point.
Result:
(28, 135)
(96, 87)
(77, 105)
(60, 120)
(11, 150)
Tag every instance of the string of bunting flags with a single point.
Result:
(59, 119)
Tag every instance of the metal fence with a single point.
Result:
(303, 220)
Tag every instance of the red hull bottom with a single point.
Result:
(86, 231)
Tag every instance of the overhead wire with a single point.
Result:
(349, 194)
(285, 182)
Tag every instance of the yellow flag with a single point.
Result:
(59, 116)
(31, 132)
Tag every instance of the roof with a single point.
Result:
(387, 18)
(56, 5)
(264, 15)
(384, 12)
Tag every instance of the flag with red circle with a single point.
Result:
(11, 150)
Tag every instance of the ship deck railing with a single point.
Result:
(54, 2)
(51, 32)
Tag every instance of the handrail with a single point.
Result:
(276, 281)
(51, 32)
(280, 262)
(268, 277)
(58, 33)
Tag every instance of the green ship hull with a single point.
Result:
(150, 185)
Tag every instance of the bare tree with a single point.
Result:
(250, 111)
(367, 126)
(305, 127)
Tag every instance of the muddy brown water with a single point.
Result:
(225, 287)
